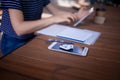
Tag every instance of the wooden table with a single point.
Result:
(102, 62)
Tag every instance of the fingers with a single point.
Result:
(82, 12)
(60, 19)
(66, 18)
(72, 18)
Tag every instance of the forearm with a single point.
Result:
(22, 27)
(26, 27)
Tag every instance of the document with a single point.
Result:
(78, 35)
(93, 38)
(74, 34)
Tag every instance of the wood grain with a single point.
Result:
(101, 63)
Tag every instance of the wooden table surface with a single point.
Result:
(101, 63)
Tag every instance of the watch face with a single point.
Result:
(66, 46)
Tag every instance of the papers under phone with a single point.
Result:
(78, 35)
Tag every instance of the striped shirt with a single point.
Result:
(32, 10)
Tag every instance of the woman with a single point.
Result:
(21, 18)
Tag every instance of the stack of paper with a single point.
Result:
(79, 35)
(93, 38)
(74, 34)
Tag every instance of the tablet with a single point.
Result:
(83, 18)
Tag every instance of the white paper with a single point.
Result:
(75, 34)
(93, 38)
(52, 30)
(88, 37)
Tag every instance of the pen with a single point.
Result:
(61, 41)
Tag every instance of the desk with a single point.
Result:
(101, 63)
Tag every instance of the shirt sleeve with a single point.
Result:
(14, 4)
(46, 2)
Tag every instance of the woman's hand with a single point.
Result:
(61, 16)
(82, 12)
(65, 17)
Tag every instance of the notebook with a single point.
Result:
(71, 33)
(66, 32)
(75, 34)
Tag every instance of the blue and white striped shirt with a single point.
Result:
(32, 10)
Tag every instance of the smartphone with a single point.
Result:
(68, 48)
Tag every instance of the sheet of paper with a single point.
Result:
(93, 38)
(75, 34)
(85, 36)
(52, 30)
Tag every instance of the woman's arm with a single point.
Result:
(73, 16)
(56, 11)
(22, 27)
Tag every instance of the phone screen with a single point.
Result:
(75, 50)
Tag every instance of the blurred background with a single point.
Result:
(73, 5)
(70, 4)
